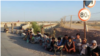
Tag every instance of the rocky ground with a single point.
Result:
(90, 35)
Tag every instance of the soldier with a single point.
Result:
(32, 30)
(42, 31)
(54, 32)
(12, 26)
(5, 27)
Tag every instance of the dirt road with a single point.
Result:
(80, 26)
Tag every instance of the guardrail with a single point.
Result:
(49, 26)
(9, 25)
(26, 26)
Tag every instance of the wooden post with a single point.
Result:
(84, 21)
(62, 21)
(70, 21)
(65, 20)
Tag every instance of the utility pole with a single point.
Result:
(64, 19)
(61, 22)
(70, 20)
(84, 21)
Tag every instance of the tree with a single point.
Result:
(36, 27)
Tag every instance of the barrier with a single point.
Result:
(26, 26)
(49, 26)
(9, 23)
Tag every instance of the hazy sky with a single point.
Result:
(44, 10)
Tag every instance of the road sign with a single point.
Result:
(90, 3)
(84, 14)
(87, 2)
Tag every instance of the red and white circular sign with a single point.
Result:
(84, 14)
(92, 3)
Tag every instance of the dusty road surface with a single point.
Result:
(80, 26)
(13, 45)
(10, 46)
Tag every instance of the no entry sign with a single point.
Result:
(90, 3)
(84, 14)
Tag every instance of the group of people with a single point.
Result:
(6, 28)
(68, 44)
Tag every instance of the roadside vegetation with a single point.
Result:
(36, 27)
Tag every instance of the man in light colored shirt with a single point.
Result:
(78, 39)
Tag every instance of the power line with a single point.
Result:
(77, 15)
(95, 13)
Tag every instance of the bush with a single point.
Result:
(36, 27)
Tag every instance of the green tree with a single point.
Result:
(36, 27)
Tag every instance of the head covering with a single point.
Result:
(45, 36)
(93, 47)
(39, 33)
(94, 41)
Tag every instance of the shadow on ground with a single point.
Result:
(33, 47)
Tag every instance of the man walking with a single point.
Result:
(42, 30)
(12, 26)
(54, 33)
(5, 27)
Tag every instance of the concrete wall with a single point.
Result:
(48, 27)
(46, 23)
(9, 23)
(26, 26)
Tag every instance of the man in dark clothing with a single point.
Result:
(53, 43)
(47, 44)
(28, 36)
(58, 46)
(70, 46)
(38, 34)
(93, 50)
(12, 26)
(64, 40)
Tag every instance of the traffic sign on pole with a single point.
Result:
(84, 14)
(90, 3)
(87, 2)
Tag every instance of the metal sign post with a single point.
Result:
(70, 21)
(84, 22)
(84, 14)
